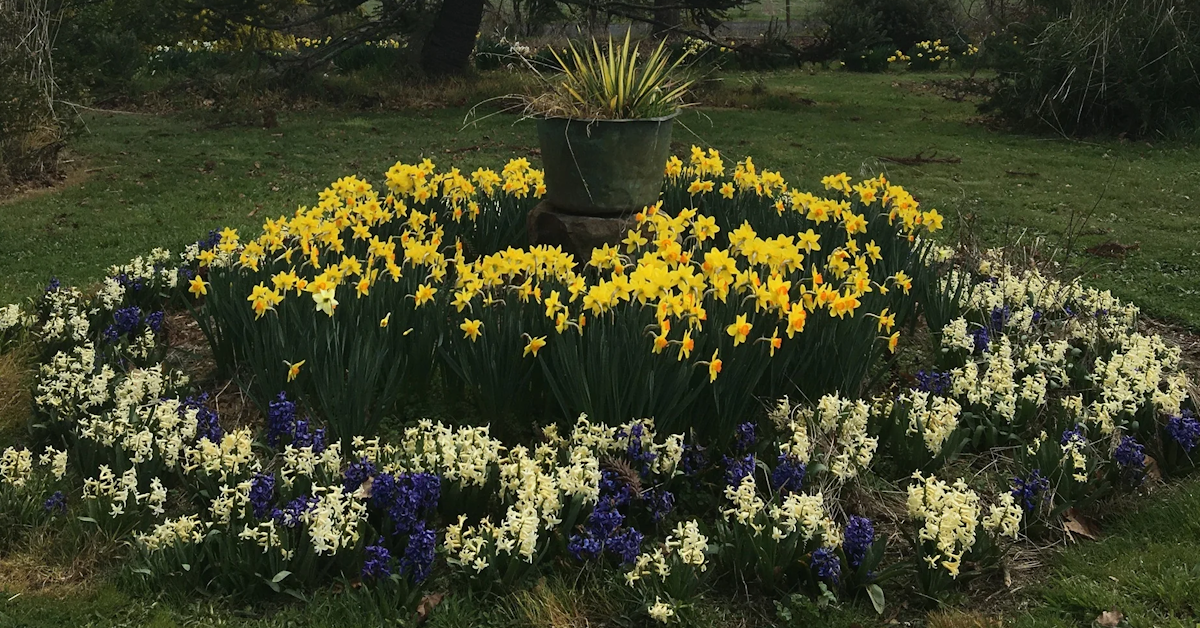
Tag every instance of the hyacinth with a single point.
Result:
(661, 503)
(999, 318)
(127, 319)
(292, 514)
(262, 494)
(155, 320)
(419, 554)
(283, 421)
(208, 424)
(694, 459)
(1130, 454)
(981, 340)
(857, 539)
(826, 566)
(935, 382)
(281, 417)
(407, 498)
(56, 503)
(376, 562)
(1027, 490)
(788, 475)
(1185, 430)
(738, 468)
(1073, 435)
(745, 438)
(636, 449)
(357, 474)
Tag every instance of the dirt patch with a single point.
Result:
(72, 173)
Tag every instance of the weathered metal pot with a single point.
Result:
(604, 167)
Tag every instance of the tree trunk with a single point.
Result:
(667, 20)
(448, 45)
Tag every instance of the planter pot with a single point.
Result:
(604, 167)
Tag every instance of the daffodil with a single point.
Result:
(197, 287)
(533, 346)
(424, 295)
(325, 301)
(685, 347)
(739, 330)
(471, 328)
(293, 369)
(714, 366)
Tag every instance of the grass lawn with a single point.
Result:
(142, 181)
(147, 181)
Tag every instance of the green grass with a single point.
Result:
(1145, 566)
(166, 180)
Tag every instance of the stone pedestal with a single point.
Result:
(577, 235)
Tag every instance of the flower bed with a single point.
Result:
(639, 411)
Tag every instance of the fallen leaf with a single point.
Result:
(1075, 522)
(428, 603)
(1152, 469)
(1110, 618)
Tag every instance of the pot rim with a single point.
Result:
(665, 118)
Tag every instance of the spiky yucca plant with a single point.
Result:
(613, 83)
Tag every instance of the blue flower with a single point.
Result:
(859, 536)
(612, 486)
(377, 562)
(1074, 435)
(56, 502)
(1185, 430)
(982, 339)
(406, 498)
(788, 475)
(935, 382)
(745, 437)
(738, 468)
(281, 416)
(356, 474)
(419, 554)
(127, 319)
(54, 285)
(155, 321)
(635, 450)
(584, 546)
(694, 459)
(661, 502)
(1000, 316)
(604, 519)
(209, 243)
(1027, 490)
(826, 565)
(262, 494)
(208, 424)
(292, 514)
(1130, 454)
(626, 546)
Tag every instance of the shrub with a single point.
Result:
(860, 30)
(1109, 66)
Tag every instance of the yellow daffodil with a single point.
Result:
(424, 295)
(533, 346)
(685, 347)
(197, 287)
(739, 330)
(714, 367)
(293, 369)
(471, 329)
(383, 322)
